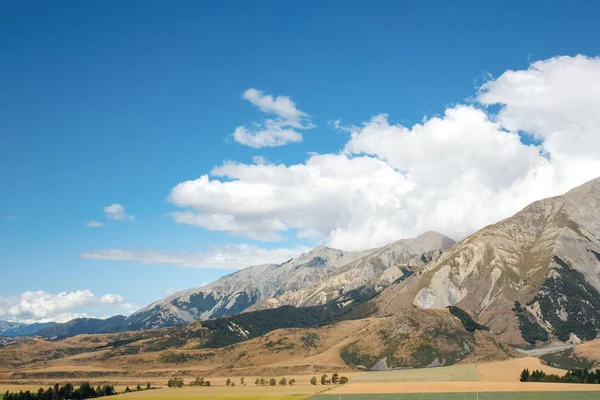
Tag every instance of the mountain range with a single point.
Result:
(315, 277)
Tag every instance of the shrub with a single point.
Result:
(228, 383)
(325, 379)
(272, 382)
(283, 382)
(291, 382)
(257, 382)
(343, 380)
(313, 380)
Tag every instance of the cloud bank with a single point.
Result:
(229, 256)
(452, 173)
(41, 306)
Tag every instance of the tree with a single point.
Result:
(127, 390)
(228, 383)
(175, 382)
(138, 388)
(335, 378)
(148, 387)
(263, 382)
(524, 375)
(232, 384)
(257, 382)
(343, 380)
(272, 382)
(313, 380)
(291, 382)
(324, 380)
(206, 383)
(283, 381)
(242, 381)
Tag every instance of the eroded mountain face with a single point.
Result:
(535, 272)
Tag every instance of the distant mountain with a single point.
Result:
(20, 329)
(530, 277)
(83, 325)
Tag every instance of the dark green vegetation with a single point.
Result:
(569, 291)
(467, 320)
(566, 359)
(591, 395)
(576, 375)
(595, 253)
(65, 392)
(531, 331)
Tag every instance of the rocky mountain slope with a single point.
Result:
(236, 292)
(530, 277)
(375, 271)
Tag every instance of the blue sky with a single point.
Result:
(118, 102)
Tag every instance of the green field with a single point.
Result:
(465, 396)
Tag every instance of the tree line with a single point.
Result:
(65, 392)
(577, 375)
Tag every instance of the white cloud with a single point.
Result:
(272, 132)
(117, 212)
(112, 299)
(93, 224)
(229, 256)
(282, 106)
(454, 173)
(41, 306)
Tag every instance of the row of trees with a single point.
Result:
(65, 392)
(335, 379)
(576, 375)
(325, 380)
(273, 382)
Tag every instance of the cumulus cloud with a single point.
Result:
(117, 212)
(41, 306)
(93, 224)
(272, 132)
(229, 256)
(452, 173)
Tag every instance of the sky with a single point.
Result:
(148, 147)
